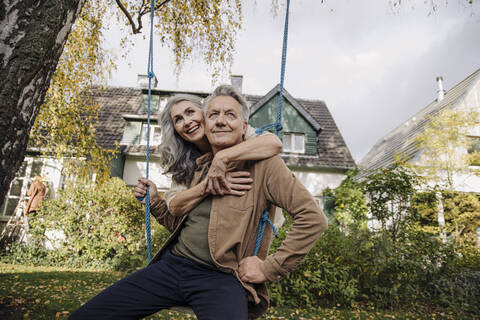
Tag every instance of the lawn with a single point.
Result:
(53, 293)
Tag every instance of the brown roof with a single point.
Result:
(114, 103)
(333, 153)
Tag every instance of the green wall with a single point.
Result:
(292, 121)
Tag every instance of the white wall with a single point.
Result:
(136, 167)
(316, 182)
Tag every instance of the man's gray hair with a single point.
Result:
(177, 155)
(227, 90)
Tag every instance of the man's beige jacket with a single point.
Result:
(234, 223)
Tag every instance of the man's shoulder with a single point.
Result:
(272, 162)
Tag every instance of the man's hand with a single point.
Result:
(250, 270)
(141, 190)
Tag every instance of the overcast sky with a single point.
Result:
(373, 67)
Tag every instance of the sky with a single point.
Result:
(373, 66)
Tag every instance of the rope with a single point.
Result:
(151, 75)
(261, 228)
(278, 127)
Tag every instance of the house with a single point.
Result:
(401, 140)
(313, 146)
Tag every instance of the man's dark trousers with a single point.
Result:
(172, 281)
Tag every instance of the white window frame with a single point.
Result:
(295, 148)
(153, 129)
(26, 179)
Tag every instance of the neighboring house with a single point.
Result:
(313, 147)
(400, 141)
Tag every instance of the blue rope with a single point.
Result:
(261, 228)
(278, 127)
(151, 75)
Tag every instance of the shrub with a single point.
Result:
(95, 225)
(367, 267)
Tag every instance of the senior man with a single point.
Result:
(208, 261)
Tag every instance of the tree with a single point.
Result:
(34, 34)
(389, 194)
(66, 123)
(445, 142)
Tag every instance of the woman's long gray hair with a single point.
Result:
(177, 155)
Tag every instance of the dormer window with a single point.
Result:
(294, 142)
(155, 134)
(156, 104)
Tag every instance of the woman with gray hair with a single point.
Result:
(184, 140)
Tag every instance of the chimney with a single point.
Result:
(237, 82)
(440, 91)
(142, 81)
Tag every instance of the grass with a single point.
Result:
(54, 293)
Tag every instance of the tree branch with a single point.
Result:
(144, 10)
(161, 4)
(135, 30)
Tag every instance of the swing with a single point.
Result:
(277, 126)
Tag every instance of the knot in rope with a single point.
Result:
(278, 127)
(151, 75)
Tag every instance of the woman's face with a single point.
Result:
(188, 121)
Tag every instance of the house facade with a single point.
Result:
(400, 141)
(313, 147)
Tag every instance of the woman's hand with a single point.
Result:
(217, 177)
(236, 183)
(239, 182)
(141, 190)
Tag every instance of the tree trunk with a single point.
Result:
(32, 37)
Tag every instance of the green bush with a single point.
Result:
(103, 226)
(368, 268)
(324, 276)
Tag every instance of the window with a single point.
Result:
(155, 134)
(474, 151)
(154, 104)
(17, 187)
(294, 142)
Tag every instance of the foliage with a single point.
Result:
(365, 267)
(205, 28)
(347, 203)
(444, 141)
(66, 123)
(462, 216)
(90, 225)
(389, 193)
(394, 266)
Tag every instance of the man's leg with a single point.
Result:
(137, 295)
(214, 295)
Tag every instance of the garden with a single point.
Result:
(379, 259)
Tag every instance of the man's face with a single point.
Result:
(224, 124)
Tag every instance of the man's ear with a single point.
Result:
(245, 126)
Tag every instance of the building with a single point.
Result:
(401, 140)
(313, 146)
